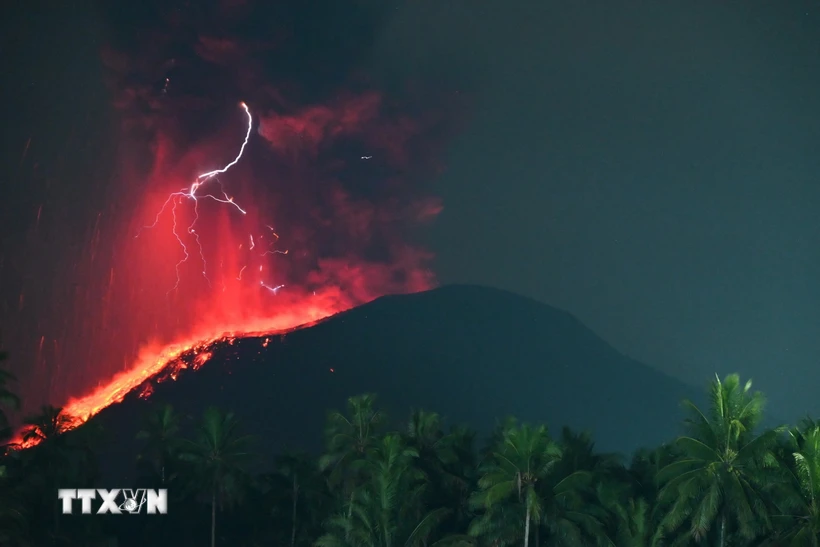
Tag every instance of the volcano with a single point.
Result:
(472, 354)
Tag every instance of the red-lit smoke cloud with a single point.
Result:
(334, 178)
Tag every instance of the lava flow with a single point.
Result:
(159, 363)
(156, 360)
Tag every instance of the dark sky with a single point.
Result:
(650, 167)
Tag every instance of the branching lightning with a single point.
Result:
(193, 193)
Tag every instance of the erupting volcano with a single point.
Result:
(202, 218)
(152, 361)
(230, 278)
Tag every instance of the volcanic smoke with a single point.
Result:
(217, 263)
(201, 219)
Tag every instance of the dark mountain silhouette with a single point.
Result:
(472, 354)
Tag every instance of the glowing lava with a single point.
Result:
(162, 362)
(152, 362)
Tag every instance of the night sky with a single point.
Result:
(651, 167)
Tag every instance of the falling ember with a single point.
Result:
(147, 391)
(202, 358)
(23, 157)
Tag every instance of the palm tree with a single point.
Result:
(348, 438)
(578, 453)
(645, 467)
(572, 514)
(348, 441)
(448, 461)
(798, 497)
(219, 456)
(60, 454)
(48, 425)
(720, 475)
(385, 510)
(522, 456)
(7, 399)
(305, 488)
(462, 475)
(426, 435)
(634, 525)
(630, 497)
(12, 510)
(52, 452)
(161, 436)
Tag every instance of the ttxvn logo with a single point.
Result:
(117, 501)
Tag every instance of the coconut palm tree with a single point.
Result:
(54, 454)
(633, 524)
(13, 517)
(572, 514)
(48, 425)
(219, 456)
(719, 478)
(448, 462)
(297, 477)
(462, 476)
(645, 468)
(798, 497)
(162, 441)
(61, 455)
(385, 509)
(348, 441)
(348, 438)
(631, 499)
(508, 487)
(426, 434)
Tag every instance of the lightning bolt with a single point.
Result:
(194, 193)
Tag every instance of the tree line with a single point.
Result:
(724, 482)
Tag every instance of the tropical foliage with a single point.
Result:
(723, 482)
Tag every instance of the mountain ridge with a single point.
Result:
(472, 354)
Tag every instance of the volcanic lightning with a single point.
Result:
(235, 248)
(171, 358)
(190, 193)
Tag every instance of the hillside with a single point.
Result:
(472, 354)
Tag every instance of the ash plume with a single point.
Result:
(334, 179)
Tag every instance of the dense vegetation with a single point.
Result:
(724, 483)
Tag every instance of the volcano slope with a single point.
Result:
(472, 354)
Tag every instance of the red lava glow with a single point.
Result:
(300, 247)
(154, 360)
(157, 359)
